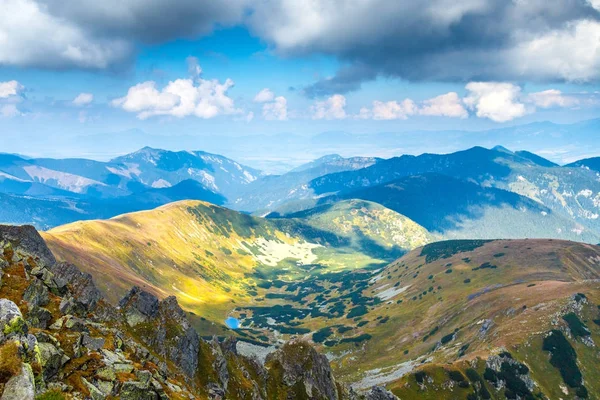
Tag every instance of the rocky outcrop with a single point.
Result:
(379, 393)
(81, 285)
(168, 329)
(145, 349)
(299, 371)
(28, 241)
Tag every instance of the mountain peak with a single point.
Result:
(502, 149)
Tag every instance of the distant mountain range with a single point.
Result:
(473, 193)
(279, 153)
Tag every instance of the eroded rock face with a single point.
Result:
(80, 284)
(139, 306)
(167, 327)
(28, 241)
(300, 371)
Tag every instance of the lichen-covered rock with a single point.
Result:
(21, 386)
(36, 294)
(80, 284)
(39, 317)
(95, 393)
(52, 359)
(137, 391)
(11, 320)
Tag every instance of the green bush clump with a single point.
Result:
(357, 311)
(448, 338)
(578, 328)
(448, 248)
(357, 339)
(322, 334)
(420, 376)
(563, 357)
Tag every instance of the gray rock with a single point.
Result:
(137, 391)
(21, 386)
(36, 294)
(68, 305)
(26, 239)
(80, 284)
(92, 343)
(76, 324)
(139, 306)
(173, 336)
(51, 360)
(95, 393)
(379, 393)
(303, 365)
(39, 317)
(11, 320)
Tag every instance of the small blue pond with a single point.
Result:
(232, 323)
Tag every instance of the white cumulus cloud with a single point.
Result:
(331, 108)
(199, 97)
(393, 110)
(445, 105)
(264, 95)
(10, 88)
(83, 99)
(552, 98)
(497, 101)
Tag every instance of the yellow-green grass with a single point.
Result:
(207, 255)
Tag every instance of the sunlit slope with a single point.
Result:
(370, 226)
(447, 302)
(212, 258)
(458, 301)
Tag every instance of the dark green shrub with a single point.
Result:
(563, 357)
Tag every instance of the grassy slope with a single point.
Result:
(531, 284)
(208, 256)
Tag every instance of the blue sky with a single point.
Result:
(327, 66)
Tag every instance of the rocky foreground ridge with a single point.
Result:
(59, 339)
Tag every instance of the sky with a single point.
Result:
(246, 67)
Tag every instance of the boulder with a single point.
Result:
(95, 393)
(137, 391)
(11, 320)
(81, 285)
(51, 359)
(92, 343)
(39, 317)
(379, 393)
(36, 294)
(21, 386)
